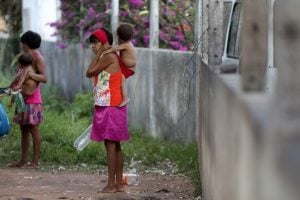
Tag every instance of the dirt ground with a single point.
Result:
(30, 184)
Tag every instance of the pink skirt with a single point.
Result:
(33, 115)
(110, 123)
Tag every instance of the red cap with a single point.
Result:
(101, 36)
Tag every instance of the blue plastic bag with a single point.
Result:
(4, 122)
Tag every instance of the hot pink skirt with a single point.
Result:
(110, 123)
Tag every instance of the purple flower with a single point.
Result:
(180, 36)
(134, 42)
(147, 23)
(183, 48)
(175, 44)
(164, 36)
(124, 14)
(147, 39)
(137, 3)
(80, 24)
(91, 13)
(84, 1)
(87, 34)
(61, 45)
(71, 14)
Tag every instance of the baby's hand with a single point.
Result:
(99, 53)
(28, 74)
(106, 51)
(16, 88)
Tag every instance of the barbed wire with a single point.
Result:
(191, 70)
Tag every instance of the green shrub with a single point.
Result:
(83, 105)
(54, 100)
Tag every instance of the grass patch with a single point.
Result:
(64, 122)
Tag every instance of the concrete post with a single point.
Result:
(36, 16)
(204, 25)
(114, 18)
(198, 26)
(254, 44)
(284, 137)
(215, 32)
(154, 24)
(212, 31)
(198, 53)
(29, 10)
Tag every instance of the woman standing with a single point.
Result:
(109, 120)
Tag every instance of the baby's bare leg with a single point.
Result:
(124, 93)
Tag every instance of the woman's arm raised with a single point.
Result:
(99, 65)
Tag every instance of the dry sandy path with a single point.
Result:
(29, 184)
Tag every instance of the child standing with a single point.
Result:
(33, 114)
(128, 56)
(21, 81)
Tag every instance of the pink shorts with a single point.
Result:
(110, 123)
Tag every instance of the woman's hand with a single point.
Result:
(100, 52)
(107, 51)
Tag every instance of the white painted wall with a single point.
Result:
(37, 14)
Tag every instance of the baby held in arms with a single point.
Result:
(21, 81)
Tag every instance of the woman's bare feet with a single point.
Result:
(20, 163)
(32, 166)
(109, 189)
(120, 188)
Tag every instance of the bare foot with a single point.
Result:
(109, 189)
(31, 166)
(120, 188)
(124, 102)
(21, 163)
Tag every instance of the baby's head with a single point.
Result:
(25, 59)
(125, 32)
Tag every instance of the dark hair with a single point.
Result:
(109, 36)
(32, 39)
(125, 32)
(25, 59)
(93, 39)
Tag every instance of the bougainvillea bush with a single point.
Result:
(80, 18)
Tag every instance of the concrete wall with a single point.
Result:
(162, 92)
(229, 138)
(241, 157)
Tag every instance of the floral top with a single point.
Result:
(108, 89)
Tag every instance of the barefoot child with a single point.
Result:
(30, 119)
(21, 81)
(127, 54)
